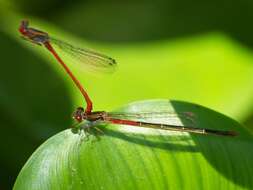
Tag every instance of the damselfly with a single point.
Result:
(184, 122)
(87, 57)
(97, 60)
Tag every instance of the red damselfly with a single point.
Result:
(97, 60)
(184, 122)
(90, 58)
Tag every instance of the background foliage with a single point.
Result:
(198, 51)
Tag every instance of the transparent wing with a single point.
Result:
(171, 118)
(89, 59)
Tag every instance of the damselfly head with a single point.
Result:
(23, 26)
(78, 115)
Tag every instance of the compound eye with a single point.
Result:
(79, 118)
(78, 114)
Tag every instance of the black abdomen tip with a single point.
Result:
(113, 61)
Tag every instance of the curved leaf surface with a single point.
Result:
(128, 157)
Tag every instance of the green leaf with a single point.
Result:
(128, 157)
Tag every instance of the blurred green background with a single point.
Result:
(197, 51)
